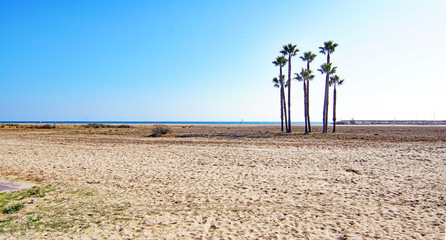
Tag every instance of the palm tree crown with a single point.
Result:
(326, 68)
(305, 74)
(289, 49)
(308, 57)
(336, 80)
(280, 61)
(329, 47)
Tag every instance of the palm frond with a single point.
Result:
(334, 78)
(322, 50)
(298, 77)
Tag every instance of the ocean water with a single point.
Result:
(159, 122)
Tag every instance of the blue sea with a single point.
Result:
(159, 122)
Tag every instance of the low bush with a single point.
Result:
(95, 125)
(45, 126)
(100, 125)
(159, 130)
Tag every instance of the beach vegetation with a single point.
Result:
(159, 130)
(308, 57)
(12, 209)
(289, 50)
(328, 70)
(335, 80)
(63, 209)
(281, 61)
(305, 76)
(100, 125)
(28, 126)
(45, 126)
(328, 48)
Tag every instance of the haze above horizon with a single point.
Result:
(211, 60)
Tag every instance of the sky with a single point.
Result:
(212, 60)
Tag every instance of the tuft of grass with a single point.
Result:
(159, 130)
(13, 209)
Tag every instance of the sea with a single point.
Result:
(160, 122)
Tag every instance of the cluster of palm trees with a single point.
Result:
(306, 76)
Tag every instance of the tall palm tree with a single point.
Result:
(307, 57)
(327, 49)
(281, 61)
(305, 76)
(327, 69)
(300, 77)
(335, 80)
(290, 50)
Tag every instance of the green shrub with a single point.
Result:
(12, 209)
(159, 130)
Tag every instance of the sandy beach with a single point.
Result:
(226, 182)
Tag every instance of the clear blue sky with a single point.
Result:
(211, 60)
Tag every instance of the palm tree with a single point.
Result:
(281, 61)
(308, 57)
(305, 76)
(290, 50)
(335, 80)
(327, 69)
(328, 48)
(300, 77)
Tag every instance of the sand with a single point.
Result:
(231, 182)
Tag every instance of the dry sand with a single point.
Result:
(231, 182)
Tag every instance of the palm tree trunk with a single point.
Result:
(325, 118)
(283, 99)
(289, 93)
(284, 110)
(305, 107)
(281, 109)
(308, 106)
(334, 107)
